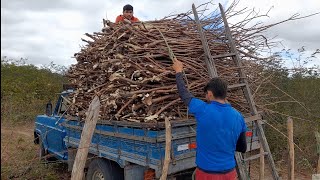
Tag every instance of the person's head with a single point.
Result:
(128, 11)
(216, 89)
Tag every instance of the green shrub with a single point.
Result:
(25, 90)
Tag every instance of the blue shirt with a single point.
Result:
(218, 129)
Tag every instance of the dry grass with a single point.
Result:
(281, 168)
(19, 157)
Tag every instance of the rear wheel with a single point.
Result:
(101, 169)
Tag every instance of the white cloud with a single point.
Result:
(292, 34)
(45, 31)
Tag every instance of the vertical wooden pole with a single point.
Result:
(85, 141)
(317, 134)
(318, 168)
(291, 149)
(241, 168)
(167, 151)
(208, 58)
(261, 174)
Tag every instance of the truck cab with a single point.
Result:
(49, 132)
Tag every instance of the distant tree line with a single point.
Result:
(294, 92)
(25, 89)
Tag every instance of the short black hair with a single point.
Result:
(127, 7)
(218, 87)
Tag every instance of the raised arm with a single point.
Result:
(184, 94)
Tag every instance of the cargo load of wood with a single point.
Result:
(129, 68)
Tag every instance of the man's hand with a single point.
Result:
(177, 66)
(126, 21)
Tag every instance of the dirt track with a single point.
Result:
(25, 132)
(19, 156)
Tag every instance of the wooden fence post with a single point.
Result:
(291, 149)
(167, 151)
(85, 141)
(261, 174)
(317, 134)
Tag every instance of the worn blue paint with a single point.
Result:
(57, 138)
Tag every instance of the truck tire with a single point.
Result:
(101, 169)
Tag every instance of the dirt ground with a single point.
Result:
(19, 156)
(19, 159)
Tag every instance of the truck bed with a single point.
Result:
(138, 143)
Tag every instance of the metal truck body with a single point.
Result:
(135, 148)
(128, 150)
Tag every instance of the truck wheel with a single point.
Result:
(100, 169)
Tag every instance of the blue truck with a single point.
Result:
(118, 150)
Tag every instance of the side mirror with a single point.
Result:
(49, 108)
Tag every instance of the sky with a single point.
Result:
(45, 31)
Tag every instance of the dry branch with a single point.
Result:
(129, 67)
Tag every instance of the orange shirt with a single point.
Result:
(120, 18)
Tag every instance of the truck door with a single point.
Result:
(57, 132)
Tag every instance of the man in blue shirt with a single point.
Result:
(220, 128)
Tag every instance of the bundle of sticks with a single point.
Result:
(129, 68)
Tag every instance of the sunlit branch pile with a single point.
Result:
(129, 68)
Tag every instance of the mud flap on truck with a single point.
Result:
(137, 172)
(133, 172)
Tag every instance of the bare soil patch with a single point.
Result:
(19, 156)
(19, 159)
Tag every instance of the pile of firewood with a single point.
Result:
(129, 68)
